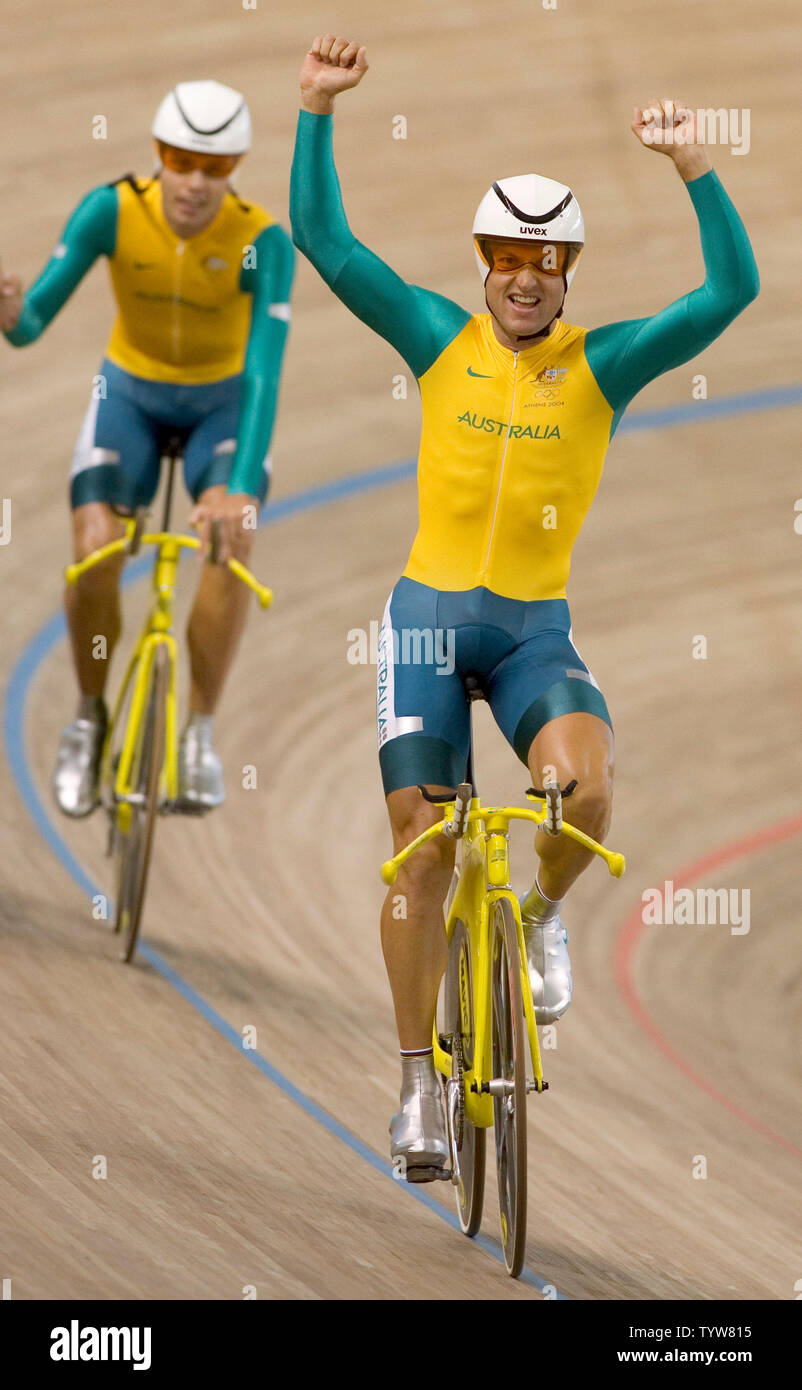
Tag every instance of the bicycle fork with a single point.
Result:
(497, 886)
(123, 793)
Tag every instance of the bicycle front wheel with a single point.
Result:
(135, 842)
(508, 1032)
(459, 1024)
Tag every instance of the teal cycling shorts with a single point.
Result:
(521, 653)
(127, 427)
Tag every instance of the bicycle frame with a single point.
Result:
(157, 631)
(483, 881)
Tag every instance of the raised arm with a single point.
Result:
(416, 322)
(625, 356)
(270, 283)
(90, 232)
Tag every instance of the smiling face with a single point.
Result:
(525, 285)
(522, 304)
(193, 189)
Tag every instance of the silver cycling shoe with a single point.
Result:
(419, 1147)
(76, 775)
(200, 773)
(549, 964)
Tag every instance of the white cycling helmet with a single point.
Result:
(206, 117)
(530, 208)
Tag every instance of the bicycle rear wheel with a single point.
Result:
(136, 841)
(508, 1032)
(459, 1023)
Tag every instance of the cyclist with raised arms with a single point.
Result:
(202, 282)
(518, 410)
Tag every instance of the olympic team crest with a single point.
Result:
(548, 386)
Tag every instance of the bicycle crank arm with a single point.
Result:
(452, 1099)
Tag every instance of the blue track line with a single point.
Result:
(697, 412)
(43, 642)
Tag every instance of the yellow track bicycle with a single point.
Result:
(139, 759)
(485, 1010)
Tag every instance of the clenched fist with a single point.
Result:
(669, 127)
(332, 65)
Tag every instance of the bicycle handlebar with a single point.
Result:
(616, 863)
(127, 543)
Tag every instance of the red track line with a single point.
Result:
(627, 942)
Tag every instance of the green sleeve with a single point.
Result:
(90, 232)
(269, 280)
(625, 356)
(416, 322)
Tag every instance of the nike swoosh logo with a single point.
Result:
(486, 375)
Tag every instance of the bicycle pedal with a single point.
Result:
(186, 808)
(427, 1174)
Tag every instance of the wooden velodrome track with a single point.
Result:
(230, 1168)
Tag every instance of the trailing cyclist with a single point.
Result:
(202, 282)
(518, 410)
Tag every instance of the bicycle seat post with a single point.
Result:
(474, 691)
(171, 453)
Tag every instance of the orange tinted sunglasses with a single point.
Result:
(552, 258)
(214, 166)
